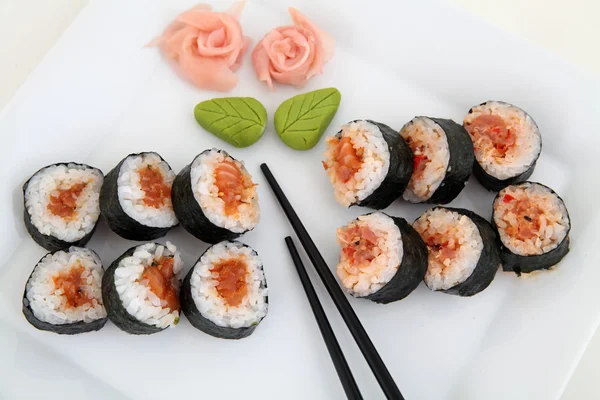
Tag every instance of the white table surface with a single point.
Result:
(570, 30)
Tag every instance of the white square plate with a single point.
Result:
(100, 95)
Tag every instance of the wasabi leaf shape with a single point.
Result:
(300, 121)
(240, 121)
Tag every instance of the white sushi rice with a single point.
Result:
(521, 155)
(206, 193)
(375, 162)
(550, 227)
(459, 231)
(46, 183)
(131, 195)
(135, 294)
(48, 302)
(211, 305)
(368, 279)
(426, 138)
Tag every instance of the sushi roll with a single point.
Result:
(463, 250)
(215, 198)
(225, 292)
(63, 293)
(533, 224)
(442, 159)
(368, 164)
(507, 144)
(382, 258)
(61, 205)
(136, 197)
(141, 289)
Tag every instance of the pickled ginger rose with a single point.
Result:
(206, 46)
(292, 54)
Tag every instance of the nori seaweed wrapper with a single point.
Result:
(190, 214)
(114, 215)
(114, 306)
(494, 184)
(188, 306)
(412, 269)
(525, 264)
(63, 329)
(460, 164)
(399, 172)
(489, 260)
(48, 242)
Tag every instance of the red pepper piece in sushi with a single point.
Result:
(508, 198)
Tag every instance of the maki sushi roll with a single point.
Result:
(368, 164)
(507, 144)
(463, 250)
(533, 224)
(136, 197)
(141, 289)
(61, 205)
(442, 159)
(382, 258)
(225, 292)
(215, 198)
(63, 293)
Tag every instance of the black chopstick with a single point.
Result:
(365, 344)
(335, 352)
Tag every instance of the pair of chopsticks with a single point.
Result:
(361, 337)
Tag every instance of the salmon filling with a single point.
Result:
(71, 283)
(490, 132)
(63, 202)
(152, 182)
(159, 277)
(231, 280)
(359, 247)
(345, 159)
(234, 187)
(530, 218)
(371, 251)
(442, 247)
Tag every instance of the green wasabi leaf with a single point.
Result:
(239, 121)
(301, 120)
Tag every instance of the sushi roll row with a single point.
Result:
(453, 250)
(431, 159)
(371, 165)
(383, 258)
(224, 294)
(141, 199)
